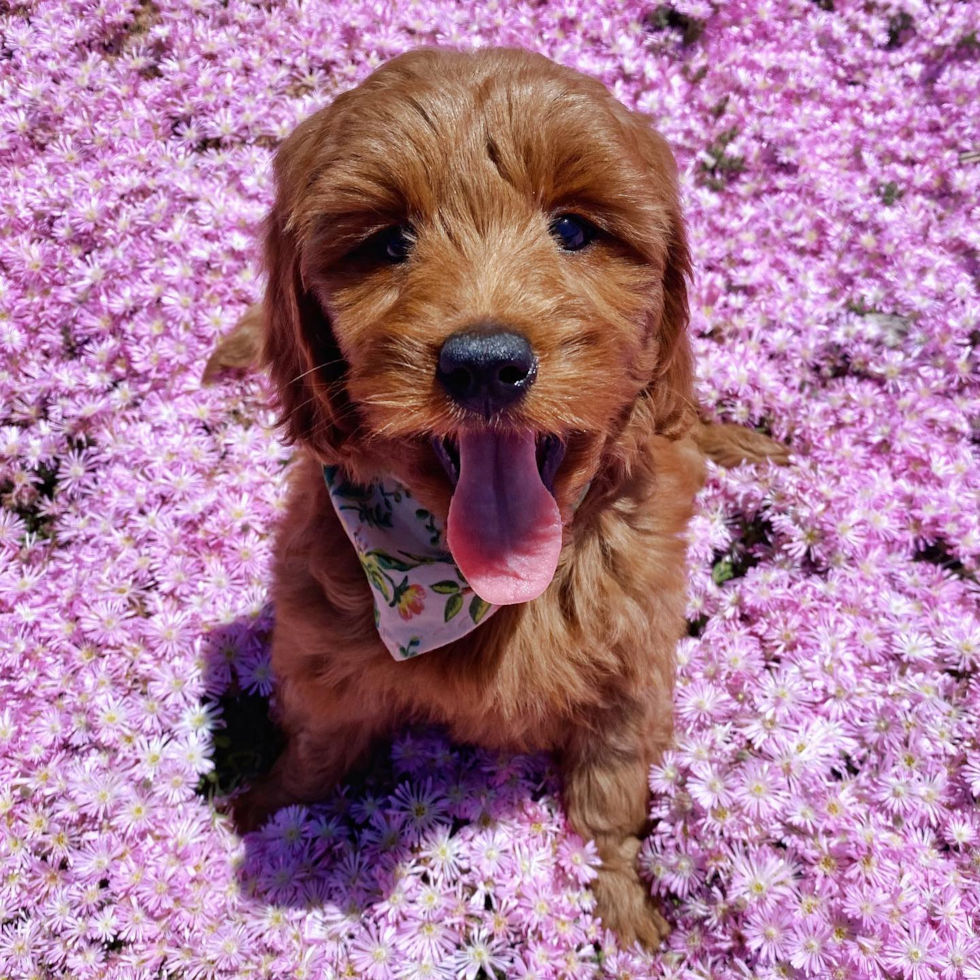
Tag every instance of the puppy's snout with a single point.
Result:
(485, 368)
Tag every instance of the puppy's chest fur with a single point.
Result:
(601, 635)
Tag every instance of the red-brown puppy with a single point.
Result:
(477, 291)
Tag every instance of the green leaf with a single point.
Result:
(478, 609)
(426, 559)
(411, 650)
(446, 588)
(378, 581)
(890, 193)
(722, 571)
(400, 590)
(386, 561)
(350, 491)
(453, 605)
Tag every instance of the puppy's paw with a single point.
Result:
(626, 906)
(264, 797)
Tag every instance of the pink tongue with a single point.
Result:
(504, 528)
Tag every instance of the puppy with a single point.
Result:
(475, 324)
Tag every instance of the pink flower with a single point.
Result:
(809, 947)
(411, 602)
(373, 953)
(818, 805)
(768, 934)
(480, 954)
(914, 954)
(579, 859)
(761, 878)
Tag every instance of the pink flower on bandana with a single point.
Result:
(410, 603)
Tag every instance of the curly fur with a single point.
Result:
(479, 152)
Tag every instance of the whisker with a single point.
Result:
(296, 408)
(692, 405)
(382, 402)
(316, 367)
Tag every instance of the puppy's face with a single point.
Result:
(477, 273)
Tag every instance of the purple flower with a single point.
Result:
(373, 953)
(818, 810)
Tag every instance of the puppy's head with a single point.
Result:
(477, 285)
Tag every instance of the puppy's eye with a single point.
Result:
(395, 243)
(572, 232)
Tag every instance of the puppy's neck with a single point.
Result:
(422, 601)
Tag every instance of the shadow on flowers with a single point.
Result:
(303, 856)
(399, 833)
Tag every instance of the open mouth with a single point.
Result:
(549, 451)
(504, 528)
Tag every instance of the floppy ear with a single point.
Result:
(300, 350)
(666, 405)
(669, 393)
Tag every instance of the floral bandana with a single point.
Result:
(421, 600)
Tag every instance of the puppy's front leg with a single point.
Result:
(318, 754)
(606, 766)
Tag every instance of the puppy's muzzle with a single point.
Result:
(485, 369)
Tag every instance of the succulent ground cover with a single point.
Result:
(818, 816)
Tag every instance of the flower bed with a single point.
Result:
(819, 815)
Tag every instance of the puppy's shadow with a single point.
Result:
(349, 853)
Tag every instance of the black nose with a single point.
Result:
(486, 369)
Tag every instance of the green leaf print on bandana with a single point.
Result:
(422, 601)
